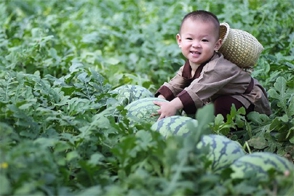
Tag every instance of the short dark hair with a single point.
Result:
(202, 15)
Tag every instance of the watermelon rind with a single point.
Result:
(128, 93)
(174, 125)
(260, 163)
(144, 110)
(222, 150)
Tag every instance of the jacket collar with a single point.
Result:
(187, 68)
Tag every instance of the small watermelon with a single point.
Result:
(222, 150)
(143, 110)
(174, 125)
(260, 163)
(128, 93)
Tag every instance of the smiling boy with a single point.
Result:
(206, 75)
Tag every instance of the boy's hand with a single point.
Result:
(166, 109)
(161, 97)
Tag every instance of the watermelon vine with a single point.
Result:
(65, 128)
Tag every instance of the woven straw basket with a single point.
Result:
(239, 47)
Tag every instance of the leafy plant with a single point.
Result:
(63, 133)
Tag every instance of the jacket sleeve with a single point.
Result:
(214, 76)
(218, 77)
(172, 88)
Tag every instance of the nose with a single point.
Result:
(196, 44)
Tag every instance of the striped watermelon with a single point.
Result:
(174, 125)
(260, 163)
(142, 110)
(222, 150)
(129, 93)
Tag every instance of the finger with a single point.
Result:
(161, 117)
(157, 103)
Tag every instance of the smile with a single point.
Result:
(194, 52)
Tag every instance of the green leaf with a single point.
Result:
(112, 61)
(279, 92)
(91, 38)
(5, 185)
(94, 190)
(219, 119)
(144, 140)
(245, 189)
(258, 142)
(75, 66)
(205, 116)
(290, 109)
(83, 77)
(275, 124)
(46, 142)
(95, 159)
(291, 140)
(72, 155)
(284, 118)
(258, 118)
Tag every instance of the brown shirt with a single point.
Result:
(213, 79)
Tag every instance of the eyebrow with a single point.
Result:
(189, 34)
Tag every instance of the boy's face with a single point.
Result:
(198, 40)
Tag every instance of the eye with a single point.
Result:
(189, 38)
(205, 40)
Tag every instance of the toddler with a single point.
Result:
(206, 76)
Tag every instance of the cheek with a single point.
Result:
(185, 44)
(213, 47)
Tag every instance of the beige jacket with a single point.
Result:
(213, 79)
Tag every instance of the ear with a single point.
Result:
(218, 44)
(179, 39)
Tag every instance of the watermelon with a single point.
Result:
(222, 150)
(143, 110)
(126, 94)
(260, 163)
(174, 125)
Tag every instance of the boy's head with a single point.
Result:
(199, 36)
(204, 16)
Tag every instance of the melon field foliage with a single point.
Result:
(64, 130)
